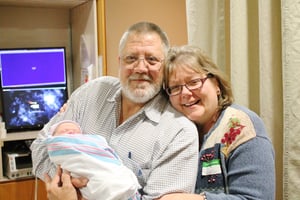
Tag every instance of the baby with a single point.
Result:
(87, 155)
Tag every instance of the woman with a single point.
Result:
(236, 158)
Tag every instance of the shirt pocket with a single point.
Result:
(140, 171)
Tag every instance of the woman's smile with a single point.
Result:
(191, 103)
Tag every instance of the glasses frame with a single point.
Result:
(133, 64)
(202, 80)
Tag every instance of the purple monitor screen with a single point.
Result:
(32, 67)
(31, 108)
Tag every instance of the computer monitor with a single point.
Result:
(31, 108)
(32, 67)
(33, 86)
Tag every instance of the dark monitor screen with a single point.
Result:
(31, 108)
(23, 162)
(32, 67)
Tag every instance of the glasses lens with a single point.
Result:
(194, 84)
(130, 59)
(174, 90)
(152, 62)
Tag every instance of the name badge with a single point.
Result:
(211, 167)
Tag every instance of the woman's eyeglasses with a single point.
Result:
(191, 85)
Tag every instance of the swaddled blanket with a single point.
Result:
(90, 156)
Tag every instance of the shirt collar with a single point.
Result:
(154, 108)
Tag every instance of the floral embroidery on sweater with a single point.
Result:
(234, 129)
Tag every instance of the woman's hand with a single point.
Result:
(63, 108)
(181, 196)
(60, 187)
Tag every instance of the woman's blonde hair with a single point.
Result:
(194, 58)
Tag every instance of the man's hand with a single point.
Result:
(60, 187)
(79, 182)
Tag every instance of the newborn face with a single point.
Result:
(67, 128)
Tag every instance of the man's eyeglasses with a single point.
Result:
(152, 62)
(191, 85)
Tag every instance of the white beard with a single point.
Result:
(140, 94)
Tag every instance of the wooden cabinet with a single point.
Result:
(47, 23)
(23, 190)
(54, 23)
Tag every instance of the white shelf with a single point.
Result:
(20, 136)
(43, 3)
